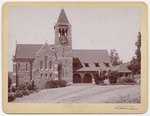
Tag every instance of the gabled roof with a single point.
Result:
(92, 69)
(122, 68)
(92, 56)
(45, 46)
(62, 17)
(27, 51)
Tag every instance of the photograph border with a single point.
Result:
(77, 107)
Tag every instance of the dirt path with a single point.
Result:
(86, 94)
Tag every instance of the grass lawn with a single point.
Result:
(86, 93)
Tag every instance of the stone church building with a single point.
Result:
(43, 62)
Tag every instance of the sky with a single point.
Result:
(92, 28)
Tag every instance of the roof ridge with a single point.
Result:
(34, 44)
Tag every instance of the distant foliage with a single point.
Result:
(9, 83)
(112, 76)
(126, 80)
(114, 57)
(135, 63)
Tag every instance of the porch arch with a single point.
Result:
(77, 78)
(87, 78)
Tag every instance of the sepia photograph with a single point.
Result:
(62, 54)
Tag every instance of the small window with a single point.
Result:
(86, 64)
(41, 64)
(45, 75)
(18, 66)
(50, 75)
(50, 64)
(27, 67)
(45, 62)
(106, 64)
(97, 64)
(41, 75)
(66, 73)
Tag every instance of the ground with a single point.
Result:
(87, 93)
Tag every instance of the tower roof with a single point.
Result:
(62, 17)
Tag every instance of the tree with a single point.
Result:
(9, 82)
(114, 57)
(135, 63)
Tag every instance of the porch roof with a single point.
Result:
(93, 69)
(122, 68)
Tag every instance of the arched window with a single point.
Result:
(66, 73)
(26, 67)
(50, 75)
(45, 62)
(41, 64)
(18, 66)
(66, 32)
(63, 32)
(45, 75)
(50, 64)
(59, 32)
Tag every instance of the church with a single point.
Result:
(43, 62)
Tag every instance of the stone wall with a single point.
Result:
(41, 76)
(64, 52)
(23, 72)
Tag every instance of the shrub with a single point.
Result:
(56, 84)
(63, 83)
(126, 80)
(29, 87)
(21, 87)
(24, 87)
(13, 89)
(18, 94)
(11, 97)
(25, 92)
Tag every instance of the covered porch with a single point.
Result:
(86, 74)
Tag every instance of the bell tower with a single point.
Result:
(63, 46)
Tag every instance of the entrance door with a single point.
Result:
(76, 78)
(87, 78)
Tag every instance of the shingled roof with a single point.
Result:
(28, 51)
(62, 17)
(92, 55)
(122, 68)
